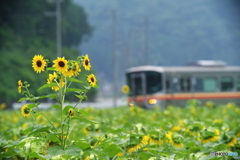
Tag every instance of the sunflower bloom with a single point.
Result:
(125, 89)
(52, 78)
(86, 63)
(232, 142)
(210, 136)
(73, 70)
(120, 154)
(71, 112)
(175, 139)
(134, 148)
(20, 85)
(76, 69)
(85, 130)
(145, 140)
(68, 73)
(154, 141)
(38, 63)
(92, 80)
(86, 158)
(60, 64)
(25, 110)
(176, 128)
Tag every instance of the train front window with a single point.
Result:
(153, 82)
(138, 90)
(135, 82)
(142, 83)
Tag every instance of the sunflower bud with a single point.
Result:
(84, 98)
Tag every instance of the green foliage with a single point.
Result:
(127, 133)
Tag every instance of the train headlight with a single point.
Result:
(152, 101)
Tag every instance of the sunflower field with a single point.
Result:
(66, 132)
(126, 133)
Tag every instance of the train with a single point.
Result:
(206, 81)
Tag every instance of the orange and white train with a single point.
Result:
(163, 86)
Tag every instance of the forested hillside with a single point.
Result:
(28, 28)
(178, 32)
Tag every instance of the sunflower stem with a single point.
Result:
(67, 133)
(36, 105)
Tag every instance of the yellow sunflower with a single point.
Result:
(25, 110)
(145, 139)
(157, 141)
(86, 63)
(38, 63)
(210, 135)
(125, 89)
(60, 64)
(20, 85)
(175, 139)
(134, 148)
(176, 128)
(92, 80)
(232, 142)
(120, 154)
(73, 70)
(71, 112)
(68, 73)
(76, 69)
(52, 78)
(85, 130)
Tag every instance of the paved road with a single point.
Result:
(103, 103)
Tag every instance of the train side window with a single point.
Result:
(185, 84)
(198, 84)
(175, 85)
(238, 84)
(226, 83)
(168, 87)
(210, 85)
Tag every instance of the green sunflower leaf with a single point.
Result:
(48, 96)
(52, 137)
(74, 89)
(66, 108)
(38, 129)
(82, 144)
(96, 86)
(47, 86)
(73, 151)
(56, 106)
(87, 87)
(111, 150)
(75, 80)
(31, 106)
(55, 150)
(51, 69)
(83, 112)
(24, 98)
(81, 119)
(37, 155)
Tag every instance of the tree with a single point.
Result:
(25, 31)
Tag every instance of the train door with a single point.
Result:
(180, 90)
(138, 85)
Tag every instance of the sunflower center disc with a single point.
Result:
(86, 62)
(61, 64)
(92, 79)
(39, 63)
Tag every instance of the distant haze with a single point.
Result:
(178, 32)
